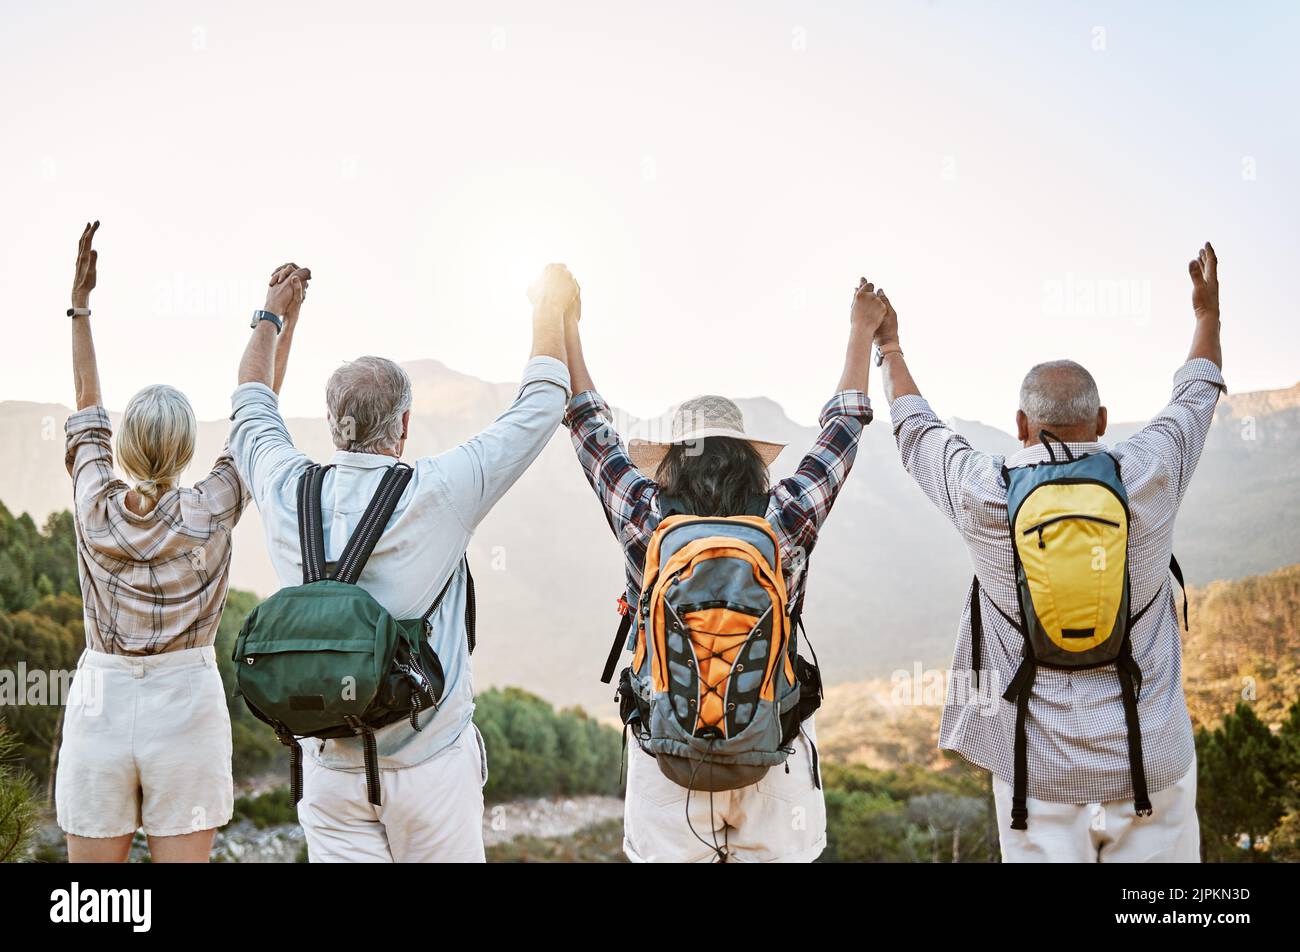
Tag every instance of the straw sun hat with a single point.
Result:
(694, 420)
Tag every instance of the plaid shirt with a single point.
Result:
(156, 582)
(1077, 738)
(796, 508)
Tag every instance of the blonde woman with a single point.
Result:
(146, 734)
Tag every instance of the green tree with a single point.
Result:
(19, 802)
(1241, 785)
(535, 751)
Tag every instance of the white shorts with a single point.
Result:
(1109, 832)
(146, 743)
(780, 819)
(431, 812)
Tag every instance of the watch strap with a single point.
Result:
(260, 315)
(78, 312)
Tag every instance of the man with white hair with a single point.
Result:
(433, 769)
(1062, 752)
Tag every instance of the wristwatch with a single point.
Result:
(78, 312)
(259, 316)
(888, 349)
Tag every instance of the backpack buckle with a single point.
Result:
(623, 607)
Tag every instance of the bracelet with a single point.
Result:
(882, 353)
(78, 312)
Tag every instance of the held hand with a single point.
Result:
(887, 332)
(554, 292)
(87, 258)
(573, 314)
(869, 309)
(1204, 269)
(286, 290)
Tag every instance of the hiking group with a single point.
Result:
(361, 661)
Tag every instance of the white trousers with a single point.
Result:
(1109, 832)
(780, 819)
(431, 813)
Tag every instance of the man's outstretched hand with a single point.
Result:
(87, 258)
(1204, 269)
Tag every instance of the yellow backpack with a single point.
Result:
(1069, 523)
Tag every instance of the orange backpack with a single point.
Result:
(716, 691)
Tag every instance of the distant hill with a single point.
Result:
(887, 578)
(1244, 644)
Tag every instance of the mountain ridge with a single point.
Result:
(888, 576)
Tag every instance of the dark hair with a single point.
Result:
(716, 476)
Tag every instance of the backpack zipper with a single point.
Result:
(1047, 522)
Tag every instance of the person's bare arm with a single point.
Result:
(261, 362)
(551, 295)
(285, 341)
(85, 368)
(1204, 269)
(896, 375)
(869, 309)
(579, 376)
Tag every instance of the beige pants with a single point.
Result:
(1109, 832)
(431, 813)
(146, 743)
(780, 819)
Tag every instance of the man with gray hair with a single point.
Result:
(1075, 773)
(433, 771)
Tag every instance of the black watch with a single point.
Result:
(259, 316)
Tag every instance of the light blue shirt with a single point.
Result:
(423, 544)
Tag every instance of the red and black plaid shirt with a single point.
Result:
(797, 506)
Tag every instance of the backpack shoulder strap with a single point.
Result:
(671, 506)
(471, 609)
(373, 521)
(1046, 436)
(1178, 576)
(311, 533)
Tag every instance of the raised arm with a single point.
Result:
(267, 355)
(551, 295)
(579, 375)
(480, 470)
(805, 498)
(285, 341)
(85, 369)
(1204, 269)
(870, 307)
(897, 377)
(942, 461)
(1177, 434)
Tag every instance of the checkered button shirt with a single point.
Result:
(156, 582)
(1077, 738)
(797, 506)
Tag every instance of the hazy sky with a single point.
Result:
(1027, 180)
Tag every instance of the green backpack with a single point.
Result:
(324, 659)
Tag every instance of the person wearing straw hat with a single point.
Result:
(710, 464)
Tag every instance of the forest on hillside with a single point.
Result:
(1242, 684)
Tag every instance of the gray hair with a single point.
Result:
(365, 400)
(1059, 393)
